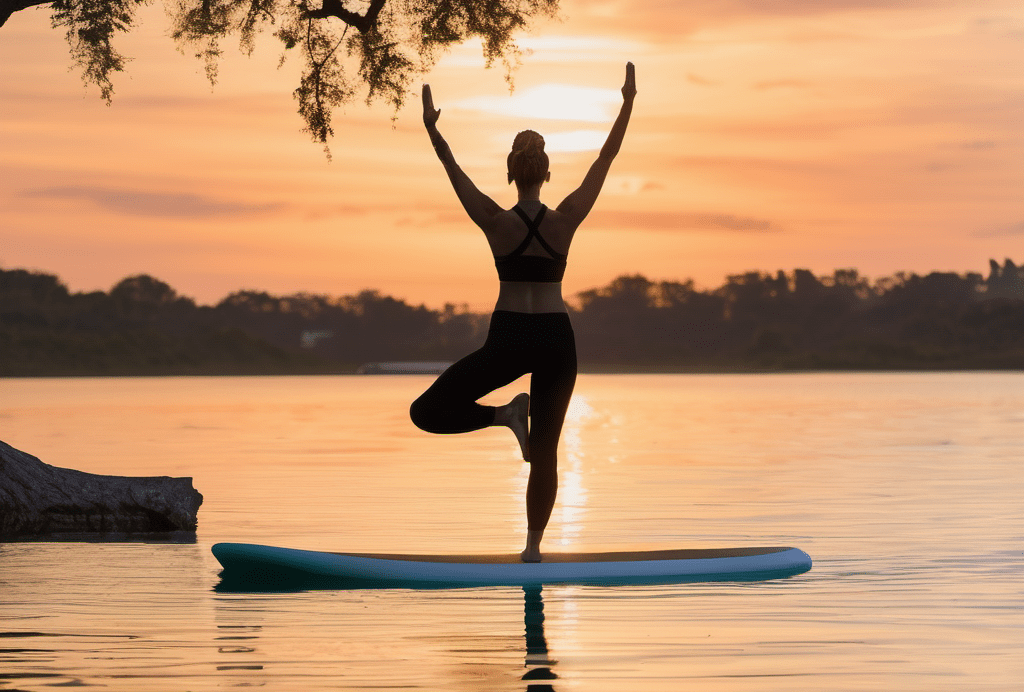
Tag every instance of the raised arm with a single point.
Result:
(481, 208)
(579, 203)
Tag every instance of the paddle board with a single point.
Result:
(249, 563)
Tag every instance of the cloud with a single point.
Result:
(698, 80)
(328, 211)
(158, 204)
(980, 144)
(671, 20)
(631, 185)
(552, 102)
(554, 48)
(574, 140)
(1005, 25)
(431, 220)
(682, 221)
(551, 48)
(1013, 229)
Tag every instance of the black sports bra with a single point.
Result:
(515, 266)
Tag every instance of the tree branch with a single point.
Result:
(336, 8)
(9, 7)
(373, 11)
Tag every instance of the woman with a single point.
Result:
(530, 330)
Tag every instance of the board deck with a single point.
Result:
(253, 563)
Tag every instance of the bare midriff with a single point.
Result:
(530, 297)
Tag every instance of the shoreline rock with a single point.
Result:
(37, 499)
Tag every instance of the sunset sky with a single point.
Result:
(883, 135)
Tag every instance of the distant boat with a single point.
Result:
(423, 367)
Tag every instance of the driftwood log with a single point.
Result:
(37, 499)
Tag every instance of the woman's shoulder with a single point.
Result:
(510, 222)
(555, 227)
(556, 222)
(552, 217)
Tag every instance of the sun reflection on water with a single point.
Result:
(572, 493)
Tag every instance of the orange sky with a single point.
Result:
(884, 135)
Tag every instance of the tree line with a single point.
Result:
(754, 321)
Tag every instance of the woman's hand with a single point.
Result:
(629, 88)
(430, 115)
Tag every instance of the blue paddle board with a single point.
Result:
(253, 564)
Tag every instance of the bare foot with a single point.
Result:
(532, 552)
(519, 422)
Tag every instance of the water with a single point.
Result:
(905, 489)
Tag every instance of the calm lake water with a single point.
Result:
(906, 489)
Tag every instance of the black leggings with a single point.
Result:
(517, 343)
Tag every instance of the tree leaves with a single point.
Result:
(89, 26)
(348, 47)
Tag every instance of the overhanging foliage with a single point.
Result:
(347, 48)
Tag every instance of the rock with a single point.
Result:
(37, 499)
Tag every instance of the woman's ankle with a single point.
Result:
(532, 551)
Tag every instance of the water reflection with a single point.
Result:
(235, 640)
(243, 651)
(538, 661)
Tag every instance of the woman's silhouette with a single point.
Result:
(529, 330)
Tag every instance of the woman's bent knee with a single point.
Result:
(422, 416)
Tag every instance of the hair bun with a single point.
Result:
(527, 162)
(526, 140)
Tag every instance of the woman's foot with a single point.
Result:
(530, 555)
(516, 416)
(532, 552)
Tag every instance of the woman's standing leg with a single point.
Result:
(551, 386)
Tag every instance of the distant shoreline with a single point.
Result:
(755, 323)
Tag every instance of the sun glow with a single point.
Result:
(552, 102)
(574, 140)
